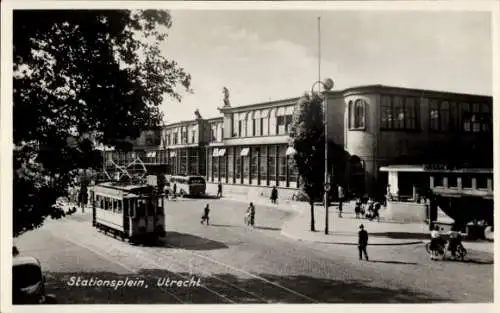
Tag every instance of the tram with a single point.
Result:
(129, 211)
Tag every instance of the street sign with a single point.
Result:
(327, 187)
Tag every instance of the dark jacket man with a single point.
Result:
(362, 242)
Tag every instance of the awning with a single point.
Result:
(291, 151)
(215, 153)
(245, 151)
(222, 152)
(256, 114)
(264, 113)
(289, 110)
(151, 154)
(173, 154)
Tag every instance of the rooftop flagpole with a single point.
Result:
(319, 52)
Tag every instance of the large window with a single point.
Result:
(264, 122)
(476, 118)
(357, 114)
(236, 120)
(272, 164)
(257, 125)
(210, 172)
(237, 159)
(230, 164)
(253, 164)
(293, 172)
(222, 166)
(282, 166)
(399, 113)
(183, 161)
(215, 165)
(273, 122)
(246, 165)
(442, 115)
(213, 133)
(193, 161)
(263, 165)
(280, 125)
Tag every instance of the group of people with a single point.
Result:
(438, 242)
(249, 215)
(369, 211)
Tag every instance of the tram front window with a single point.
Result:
(141, 208)
(151, 208)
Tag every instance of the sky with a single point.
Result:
(271, 55)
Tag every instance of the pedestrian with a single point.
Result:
(274, 195)
(435, 242)
(219, 190)
(252, 214)
(341, 199)
(376, 208)
(362, 242)
(357, 207)
(15, 251)
(174, 191)
(204, 217)
(369, 208)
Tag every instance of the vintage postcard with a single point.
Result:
(228, 154)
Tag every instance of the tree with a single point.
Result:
(82, 77)
(307, 138)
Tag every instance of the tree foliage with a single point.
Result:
(307, 137)
(80, 77)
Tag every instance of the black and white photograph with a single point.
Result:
(283, 152)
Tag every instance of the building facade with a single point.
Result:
(376, 125)
(252, 149)
(390, 126)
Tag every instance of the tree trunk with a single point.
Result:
(312, 216)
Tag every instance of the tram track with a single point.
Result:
(120, 248)
(146, 255)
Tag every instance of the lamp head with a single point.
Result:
(328, 84)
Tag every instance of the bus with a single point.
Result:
(130, 211)
(193, 185)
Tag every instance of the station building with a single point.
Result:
(247, 147)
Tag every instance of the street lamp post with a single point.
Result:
(327, 86)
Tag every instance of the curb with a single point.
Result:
(345, 243)
(289, 208)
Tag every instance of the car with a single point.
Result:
(28, 282)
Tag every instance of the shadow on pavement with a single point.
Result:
(222, 225)
(476, 261)
(268, 228)
(392, 262)
(402, 235)
(188, 242)
(236, 289)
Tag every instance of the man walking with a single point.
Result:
(341, 199)
(274, 195)
(362, 242)
(219, 190)
(204, 217)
